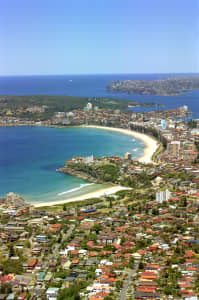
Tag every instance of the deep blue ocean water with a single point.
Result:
(93, 86)
(30, 156)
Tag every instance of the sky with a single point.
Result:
(98, 36)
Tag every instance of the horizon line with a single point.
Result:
(85, 74)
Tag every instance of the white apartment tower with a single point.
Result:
(163, 196)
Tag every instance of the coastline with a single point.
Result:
(96, 194)
(151, 144)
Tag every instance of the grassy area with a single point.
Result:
(159, 150)
(68, 206)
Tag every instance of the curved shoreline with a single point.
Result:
(96, 194)
(151, 144)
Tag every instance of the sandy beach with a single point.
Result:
(151, 144)
(150, 147)
(96, 194)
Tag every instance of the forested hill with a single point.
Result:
(64, 103)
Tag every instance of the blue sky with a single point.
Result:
(98, 36)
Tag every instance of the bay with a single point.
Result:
(29, 157)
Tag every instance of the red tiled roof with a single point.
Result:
(22, 296)
(6, 278)
(56, 225)
(32, 263)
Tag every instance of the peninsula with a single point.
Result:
(171, 86)
(28, 109)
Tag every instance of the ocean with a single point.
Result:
(29, 156)
(94, 86)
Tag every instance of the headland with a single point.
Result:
(171, 86)
(151, 146)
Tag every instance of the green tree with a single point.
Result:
(5, 288)
(131, 262)
(11, 250)
(27, 244)
(97, 228)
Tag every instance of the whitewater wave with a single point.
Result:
(135, 150)
(75, 189)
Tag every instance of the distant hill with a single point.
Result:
(43, 107)
(167, 87)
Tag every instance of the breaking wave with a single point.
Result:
(75, 189)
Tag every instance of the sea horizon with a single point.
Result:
(95, 86)
(91, 74)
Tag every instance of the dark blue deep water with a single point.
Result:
(93, 86)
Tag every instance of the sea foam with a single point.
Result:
(75, 189)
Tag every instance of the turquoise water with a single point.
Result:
(29, 157)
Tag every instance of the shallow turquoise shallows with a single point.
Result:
(29, 157)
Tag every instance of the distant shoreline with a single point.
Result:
(171, 86)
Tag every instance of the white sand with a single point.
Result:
(150, 148)
(96, 194)
(151, 144)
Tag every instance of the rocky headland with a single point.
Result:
(167, 87)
